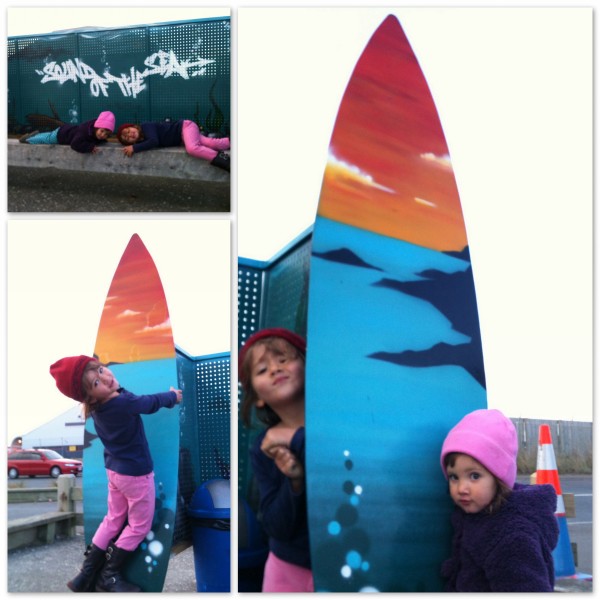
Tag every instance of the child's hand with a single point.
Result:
(95, 150)
(290, 466)
(128, 151)
(275, 437)
(178, 393)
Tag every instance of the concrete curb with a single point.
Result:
(162, 162)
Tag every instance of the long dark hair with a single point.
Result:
(89, 404)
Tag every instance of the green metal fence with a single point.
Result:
(270, 294)
(159, 72)
(205, 417)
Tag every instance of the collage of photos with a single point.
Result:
(299, 299)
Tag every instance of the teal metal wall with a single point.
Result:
(270, 294)
(205, 418)
(167, 71)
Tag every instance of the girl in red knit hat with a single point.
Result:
(138, 138)
(272, 365)
(131, 494)
(83, 138)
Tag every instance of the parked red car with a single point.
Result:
(41, 462)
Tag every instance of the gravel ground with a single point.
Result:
(48, 568)
(53, 190)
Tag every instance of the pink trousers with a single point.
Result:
(199, 145)
(130, 499)
(282, 576)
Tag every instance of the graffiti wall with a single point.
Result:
(160, 72)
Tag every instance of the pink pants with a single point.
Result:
(199, 145)
(282, 576)
(130, 499)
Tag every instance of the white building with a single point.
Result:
(63, 434)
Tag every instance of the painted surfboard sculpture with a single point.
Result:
(136, 341)
(394, 356)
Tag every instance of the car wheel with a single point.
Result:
(13, 473)
(55, 472)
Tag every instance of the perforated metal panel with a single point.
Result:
(270, 294)
(204, 442)
(145, 73)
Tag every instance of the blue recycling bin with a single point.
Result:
(210, 514)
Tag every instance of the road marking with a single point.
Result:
(582, 495)
(580, 522)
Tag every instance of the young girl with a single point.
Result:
(137, 138)
(504, 532)
(272, 376)
(131, 495)
(82, 138)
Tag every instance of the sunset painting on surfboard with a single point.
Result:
(135, 323)
(394, 356)
(136, 341)
(389, 167)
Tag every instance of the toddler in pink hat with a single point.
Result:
(504, 532)
(83, 137)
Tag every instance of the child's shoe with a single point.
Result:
(222, 161)
(23, 139)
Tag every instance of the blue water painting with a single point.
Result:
(394, 361)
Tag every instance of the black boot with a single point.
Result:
(110, 578)
(86, 579)
(221, 160)
(23, 139)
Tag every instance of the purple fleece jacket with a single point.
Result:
(81, 138)
(509, 550)
(282, 511)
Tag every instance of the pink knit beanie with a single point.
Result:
(106, 120)
(490, 438)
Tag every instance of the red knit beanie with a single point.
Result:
(289, 336)
(68, 373)
(124, 126)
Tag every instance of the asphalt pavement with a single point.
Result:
(54, 190)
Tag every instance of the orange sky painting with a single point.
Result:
(135, 322)
(389, 169)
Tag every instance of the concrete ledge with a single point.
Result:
(162, 162)
(41, 529)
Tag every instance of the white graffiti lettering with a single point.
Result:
(161, 63)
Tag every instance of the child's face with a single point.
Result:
(277, 379)
(130, 135)
(102, 134)
(472, 486)
(101, 383)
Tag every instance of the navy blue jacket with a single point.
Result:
(509, 550)
(82, 138)
(121, 430)
(282, 511)
(159, 135)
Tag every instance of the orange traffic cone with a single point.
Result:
(564, 565)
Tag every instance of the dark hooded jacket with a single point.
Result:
(506, 551)
(81, 138)
(282, 511)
